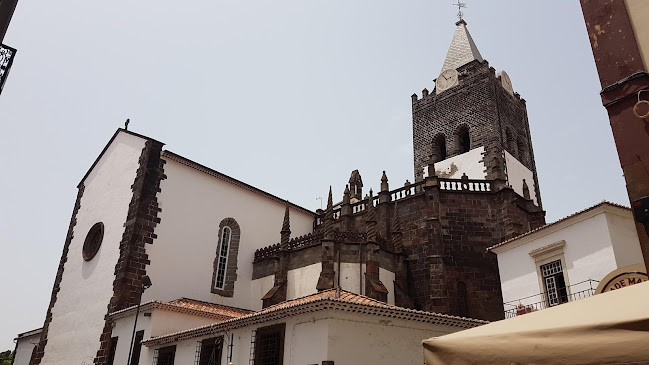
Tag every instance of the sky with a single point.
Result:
(289, 96)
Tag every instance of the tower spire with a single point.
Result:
(286, 228)
(463, 49)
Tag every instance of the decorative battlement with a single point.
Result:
(315, 239)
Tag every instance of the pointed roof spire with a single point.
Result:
(462, 50)
(329, 217)
(346, 195)
(397, 236)
(286, 228)
(330, 200)
(370, 219)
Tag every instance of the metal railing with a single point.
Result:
(536, 302)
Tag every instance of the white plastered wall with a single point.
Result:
(24, 348)
(87, 286)
(193, 205)
(516, 172)
(469, 163)
(303, 281)
(160, 322)
(342, 337)
(350, 277)
(588, 254)
(361, 339)
(259, 287)
(624, 237)
(387, 278)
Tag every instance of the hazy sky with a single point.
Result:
(289, 96)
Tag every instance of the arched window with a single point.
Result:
(511, 142)
(522, 156)
(462, 300)
(463, 139)
(439, 148)
(225, 263)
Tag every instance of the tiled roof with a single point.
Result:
(604, 202)
(336, 299)
(29, 333)
(210, 307)
(188, 306)
(462, 49)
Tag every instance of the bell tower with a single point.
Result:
(473, 123)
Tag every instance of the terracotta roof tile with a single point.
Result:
(210, 307)
(336, 299)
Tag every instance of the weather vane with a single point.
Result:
(460, 5)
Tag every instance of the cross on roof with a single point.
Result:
(460, 5)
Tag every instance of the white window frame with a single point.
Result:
(546, 255)
(227, 254)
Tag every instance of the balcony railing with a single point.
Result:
(541, 301)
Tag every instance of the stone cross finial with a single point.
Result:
(346, 195)
(460, 5)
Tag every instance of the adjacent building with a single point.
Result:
(566, 260)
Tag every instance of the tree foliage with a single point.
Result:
(6, 357)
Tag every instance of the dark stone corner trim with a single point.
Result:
(141, 220)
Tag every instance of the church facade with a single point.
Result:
(223, 253)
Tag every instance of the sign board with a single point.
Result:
(7, 55)
(622, 278)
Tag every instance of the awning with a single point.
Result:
(609, 328)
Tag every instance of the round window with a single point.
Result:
(93, 241)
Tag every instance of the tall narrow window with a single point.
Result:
(511, 142)
(462, 300)
(464, 139)
(226, 235)
(522, 156)
(137, 348)
(439, 148)
(111, 351)
(225, 262)
(555, 283)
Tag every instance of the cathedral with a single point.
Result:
(228, 273)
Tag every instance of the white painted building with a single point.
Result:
(565, 260)
(333, 326)
(25, 345)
